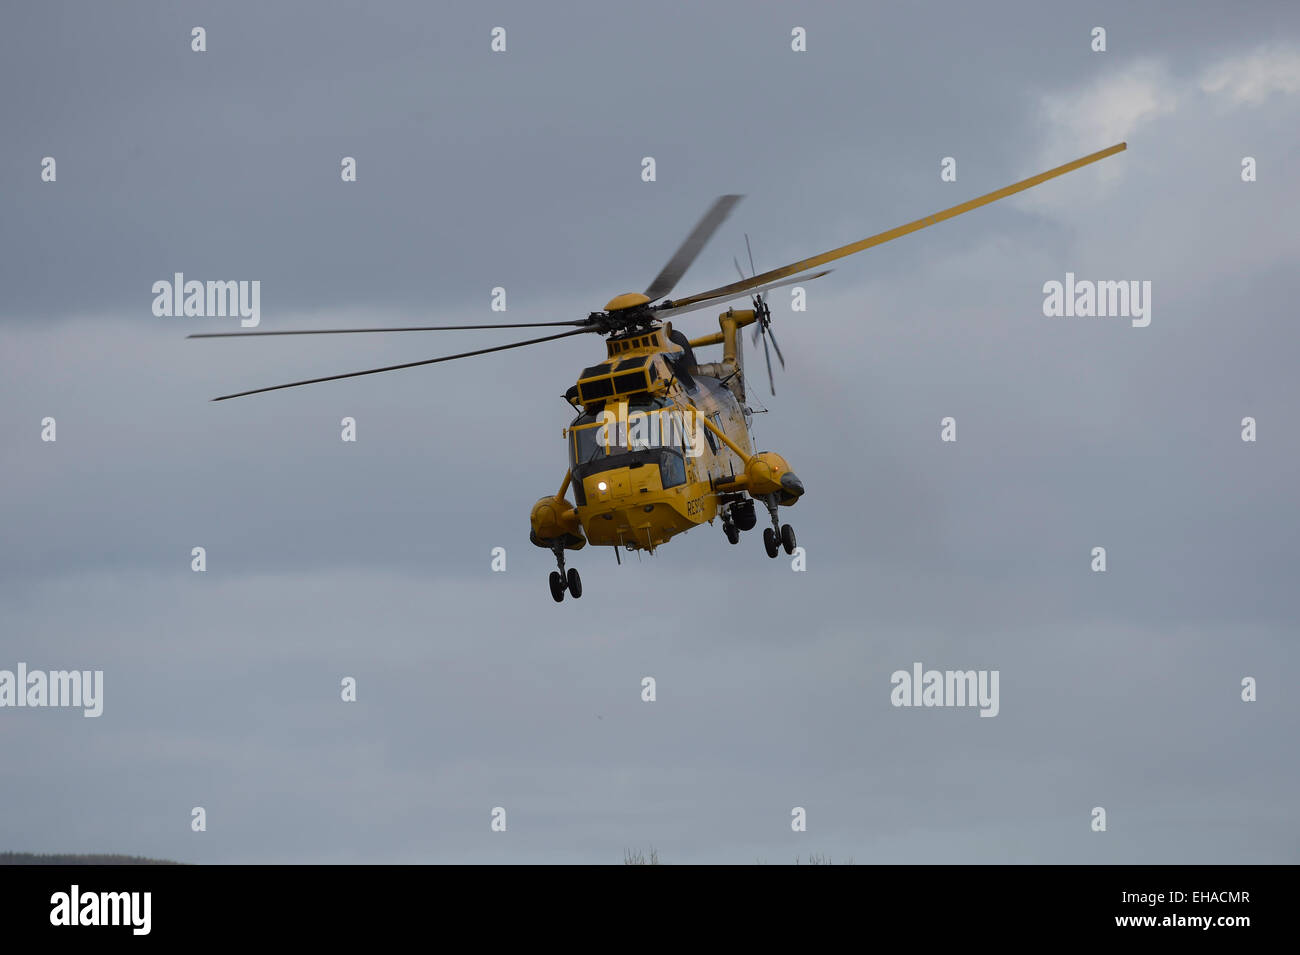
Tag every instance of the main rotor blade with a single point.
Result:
(359, 331)
(409, 364)
(736, 287)
(667, 278)
(675, 309)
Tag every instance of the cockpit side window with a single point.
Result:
(672, 469)
(584, 446)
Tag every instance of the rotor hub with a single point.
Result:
(626, 300)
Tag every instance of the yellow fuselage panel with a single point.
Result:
(626, 300)
(634, 510)
(651, 341)
(552, 517)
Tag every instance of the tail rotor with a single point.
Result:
(763, 323)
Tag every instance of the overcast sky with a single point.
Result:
(522, 169)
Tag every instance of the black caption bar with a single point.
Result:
(170, 904)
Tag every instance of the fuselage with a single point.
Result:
(644, 468)
(659, 446)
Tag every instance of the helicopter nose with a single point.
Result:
(791, 484)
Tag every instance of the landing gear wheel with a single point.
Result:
(732, 532)
(575, 583)
(557, 586)
(770, 543)
(787, 538)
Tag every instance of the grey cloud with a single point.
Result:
(328, 559)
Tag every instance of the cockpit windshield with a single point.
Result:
(672, 467)
(649, 422)
(650, 434)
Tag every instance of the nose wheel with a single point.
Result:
(779, 536)
(562, 581)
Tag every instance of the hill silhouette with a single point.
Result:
(28, 858)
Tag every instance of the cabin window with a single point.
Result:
(630, 381)
(590, 391)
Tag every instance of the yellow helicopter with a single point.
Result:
(661, 442)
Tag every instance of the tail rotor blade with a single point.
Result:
(772, 335)
(771, 381)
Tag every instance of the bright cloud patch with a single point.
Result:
(1109, 110)
(1251, 78)
(1084, 119)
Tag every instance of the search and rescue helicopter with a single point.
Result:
(661, 442)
